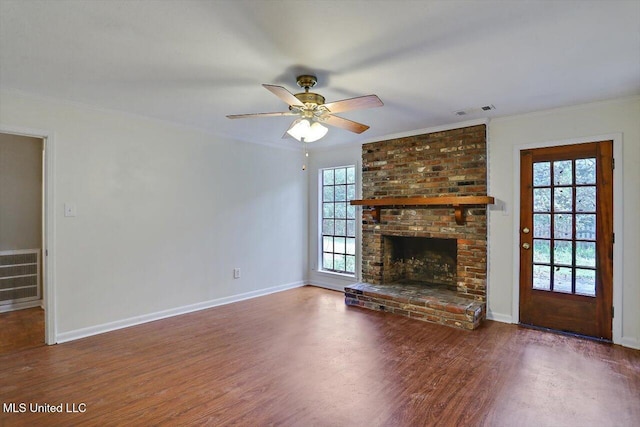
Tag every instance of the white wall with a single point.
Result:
(20, 192)
(164, 214)
(577, 122)
(319, 159)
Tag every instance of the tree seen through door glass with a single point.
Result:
(564, 226)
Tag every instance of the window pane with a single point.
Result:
(562, 279)
(327, 227)
(586, 199)
(339, 245)
(541, 251)
(351, 264)
(586, 254)
(541, 174)
(541, 277)
(341, 210)
(542, 200)
(586, 171)
(351, 192)
(563, 226)
(562, 252)
(542, 225)
(341, 228)
(351, 175)
(562, 173)
(351, 228)
(327, 210)
(327, 261)
(341, 176)
(341, 192)
(586, 282)
(339, 262)
(327, 177)
(562, 199)
(327, 194)
(327, 243)
(351, 211)
(351, 246)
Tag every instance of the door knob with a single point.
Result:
(525, 230)
(526, 246)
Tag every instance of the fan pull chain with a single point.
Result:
(306, 156)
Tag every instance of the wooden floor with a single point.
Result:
(302, 358)
(21, 329)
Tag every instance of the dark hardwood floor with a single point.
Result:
(21, 329)
(302, 358)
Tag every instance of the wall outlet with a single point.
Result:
(236, 273)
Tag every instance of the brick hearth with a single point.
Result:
(431, 304)
(440, 164)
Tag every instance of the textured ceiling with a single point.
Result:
(193, 62)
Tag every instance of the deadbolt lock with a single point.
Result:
(526, 246)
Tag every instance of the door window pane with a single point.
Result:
(542, 277)
(586, 171)
(541, 174)
(562, 226)
(586, 254)
(563, 199)
(562, 279)
(563, 252)
(541, 251)
(586, 282)
(586, 199)
(562, 173)
(542, 225)
(542, 200)
(586, 227)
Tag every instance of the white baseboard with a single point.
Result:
(137, 320)
(20, 306)
(330, 286)
(630, 342)
(499, 317)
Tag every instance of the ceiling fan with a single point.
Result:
(312, 112)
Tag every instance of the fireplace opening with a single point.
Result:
(428, 261)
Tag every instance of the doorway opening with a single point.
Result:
(23, 241)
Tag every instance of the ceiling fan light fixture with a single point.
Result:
(302, 129)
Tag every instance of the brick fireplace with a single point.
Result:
(418, 260)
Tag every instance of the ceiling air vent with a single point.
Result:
(468, 111)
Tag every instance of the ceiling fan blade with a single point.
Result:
(345, 124)
(368, 101)
(249, 116)
(284, 95)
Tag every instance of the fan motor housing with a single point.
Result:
(310, 98)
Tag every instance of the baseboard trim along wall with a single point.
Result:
(499, 317)
(330, 286)
(137, 320)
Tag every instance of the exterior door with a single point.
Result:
(566, 238)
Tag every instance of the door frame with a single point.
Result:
(48, 222)
(617, 223)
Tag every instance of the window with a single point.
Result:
(338, 236)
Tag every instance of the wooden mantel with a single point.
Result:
(458, 203)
